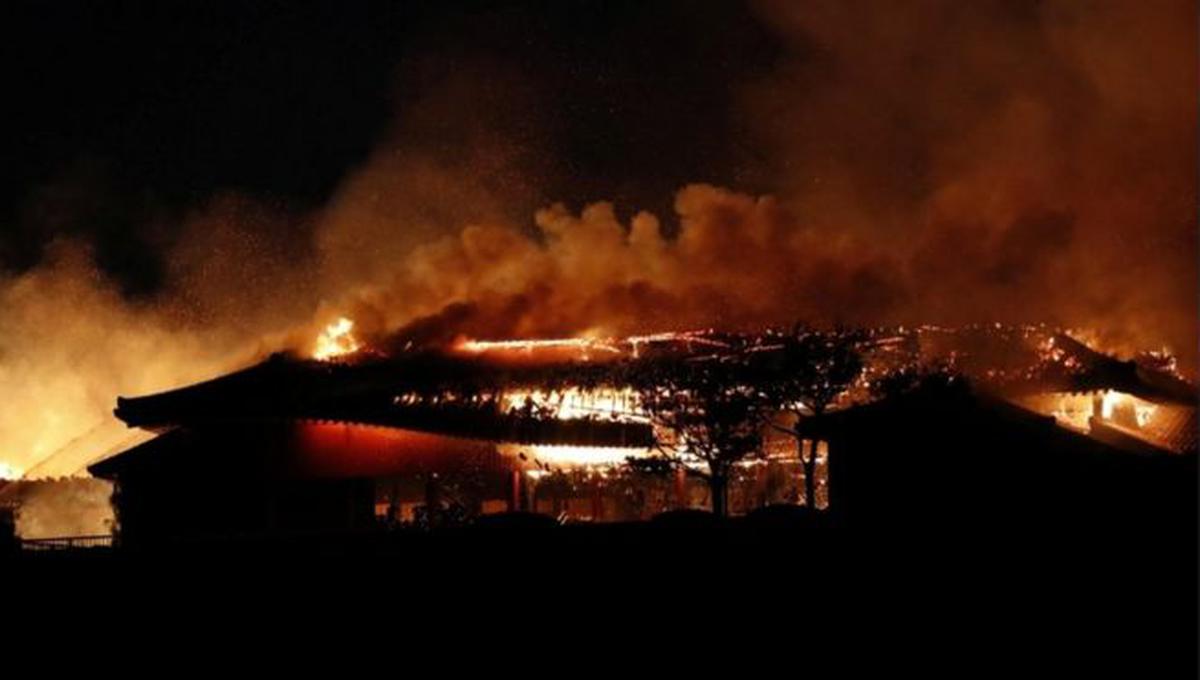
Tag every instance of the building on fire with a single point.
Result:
(300, 446)
(997, 463)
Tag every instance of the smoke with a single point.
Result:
(241, 277)
(941, 162)
(71, 341)
(947, 163)
(735, 262)
(1025, 161)
(63, 507)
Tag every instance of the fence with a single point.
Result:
(67, 542)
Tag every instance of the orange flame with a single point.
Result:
(9, 471)
(336, 340)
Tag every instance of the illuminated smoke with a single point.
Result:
(945, 163)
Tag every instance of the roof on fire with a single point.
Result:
(1173, 432)
(366, 393)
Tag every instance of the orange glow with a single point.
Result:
(1115, 401)
(573, 402)
(477, 346)
(1076, 410)
(336, 340)
(572, 456)
(1069, 410)
(9, 471)
(586, 346)
(345, 450)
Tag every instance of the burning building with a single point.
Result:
(907, 459)
(433, 435)
(429, 437)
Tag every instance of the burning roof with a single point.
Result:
(501, 390)
(430, 393)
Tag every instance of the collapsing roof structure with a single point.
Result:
(374, 394)
(461, 391)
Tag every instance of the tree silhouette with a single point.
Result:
(803, 373)
(915, 378)
(704, 407)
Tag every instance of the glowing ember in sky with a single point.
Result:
(336, 340)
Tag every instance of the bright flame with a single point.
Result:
(1071, 410)
(476, 346)
(9, 471)
(1144, 413)
(629, 345)
(1109, 402)
(1076, 410)
(1112, 401)
(572, 456)
(618, 404)
(336, 340)
(571, 403)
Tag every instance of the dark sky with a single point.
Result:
(933, 160)
(128, 115)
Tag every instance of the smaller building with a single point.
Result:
(950, 457)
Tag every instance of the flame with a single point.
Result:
(336, 340)
(1144, 413)
(573, 402)
(8, 471)
(1070, 410)
(1112, 401)
(573, 456)
(611, 345)
(1076, 410)
(478, 346)
(1108, 404)
(570, 403)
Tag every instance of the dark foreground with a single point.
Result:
(1066, 598)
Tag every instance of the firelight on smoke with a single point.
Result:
(336, 340)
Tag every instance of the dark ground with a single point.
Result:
(1080, 601)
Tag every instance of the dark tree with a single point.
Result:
(702, 407)
(803, 373)
(916, 378)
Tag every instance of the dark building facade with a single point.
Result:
(952, 458)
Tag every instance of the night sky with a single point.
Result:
(129, 115)
(858, 162)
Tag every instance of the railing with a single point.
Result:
(67, 542)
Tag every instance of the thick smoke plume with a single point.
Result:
(1024, 160)
(947, 163)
